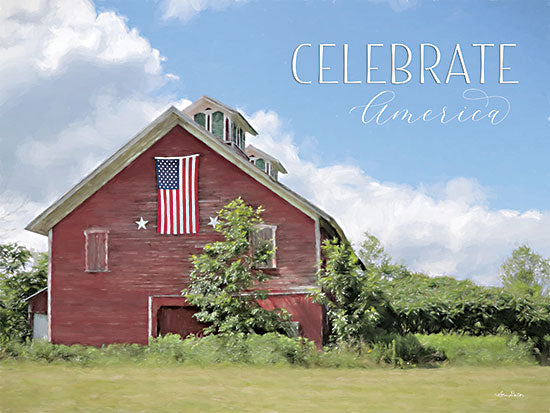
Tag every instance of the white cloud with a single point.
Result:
(450, 232)
(100, 131)
(75, 85)
(186, 9)
(42, 39)
(15, 213)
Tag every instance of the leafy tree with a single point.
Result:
(21, 275)
(372, 252)
(357, 308)
(373, 255)
(526, 272)
(225, 280)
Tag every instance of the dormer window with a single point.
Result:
(267, 163)
(240, 139)
(260, 163)
(226, 130)
(200, 118)
(217, 124)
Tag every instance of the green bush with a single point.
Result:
(239, 348)
(357, 307)
(481, 350)
(22, 273)
(431, 305)
(225, 282)
(407, 351)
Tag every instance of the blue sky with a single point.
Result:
(242, 55)
(79, 78)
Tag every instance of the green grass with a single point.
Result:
(463, 350)
(35, 386)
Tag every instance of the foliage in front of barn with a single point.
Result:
(21, 275)
(226, 278)
(357, 307)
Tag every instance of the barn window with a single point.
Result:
(200, 118)
(217, 124)
(226, 129)
(265, 236)
(260, 163)
(97, 250)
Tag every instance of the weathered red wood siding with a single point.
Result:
(303, 310)
(107, 307)
(39, 303)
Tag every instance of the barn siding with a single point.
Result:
(107, 307)
(309, 315)
(39, 303)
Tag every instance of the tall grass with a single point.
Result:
(273, 349)
(504, 350)
(259, 350)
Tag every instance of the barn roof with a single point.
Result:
(145, 139)
(36, 293)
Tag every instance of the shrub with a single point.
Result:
(407, 351)
(481, 350)
(22, 274)
(357, 307)
(426, 305)
(225, 279)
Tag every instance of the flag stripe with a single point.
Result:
(180, 193)
(168, 211)
(160, 212)
(187, 228)
(193, 195)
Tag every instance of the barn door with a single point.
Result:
(178, 320)
(40, 326)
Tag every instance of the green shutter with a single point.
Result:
(217, 124)
(260, 163)
(200, 118)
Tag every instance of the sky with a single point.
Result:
(78, 79)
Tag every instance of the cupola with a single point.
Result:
(223, 122)
(265, 162)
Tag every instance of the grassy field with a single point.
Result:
(30, 386)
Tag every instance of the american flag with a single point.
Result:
(178, 209)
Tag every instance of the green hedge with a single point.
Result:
(481, 350)
(426, 305)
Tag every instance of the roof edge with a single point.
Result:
(138, 144)
(34, 225)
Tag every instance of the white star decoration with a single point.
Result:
(141, 223)
(213, 222)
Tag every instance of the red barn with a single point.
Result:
(117, 263)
